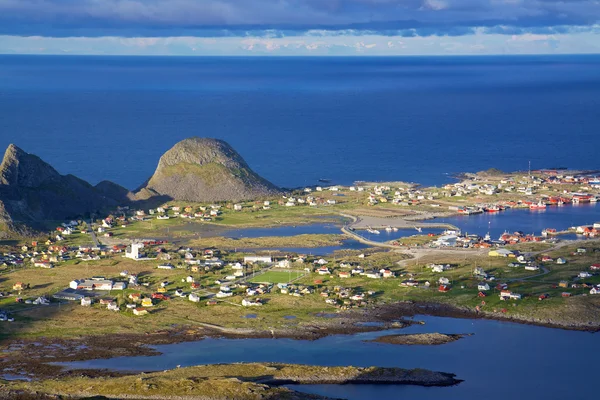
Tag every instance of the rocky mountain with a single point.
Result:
(32, 193)
(204, 170)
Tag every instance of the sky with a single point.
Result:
(299, 27)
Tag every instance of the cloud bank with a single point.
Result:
(276, 25)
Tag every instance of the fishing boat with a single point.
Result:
(419, 229)
(373, 231)
(388, 229)
(395, 229)
(538, 206)
(492, 209)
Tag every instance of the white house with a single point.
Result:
(595, 290)
(482, 286)
(443, 281)
(133, 251)
(584, 274)
(193, 297)
(86, 301)
(251, 303)
(323, 271)
(257, 259)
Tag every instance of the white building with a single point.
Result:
(133, 251)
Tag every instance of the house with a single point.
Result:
(443, 281)
(18, 286)
(508, 295)
(595, 290)
(500, 253)
(563, 284)
(140, 311)
(561, 260)
(147, 302)
(92, 284)
(113, 306)
(584, 274)
(323, 271)
(344, 274)
(86, 301)
(482, 286)
(251, 303)
(595, 267)
(237, 207)
(532, 267)
(502, 286)
(373, 275)
(193, 297)
(565, 294)
(166, 266)
(135, 296)
(258, 259)
(119, 286)
(222, 294)
(443, 288)
(386, 273)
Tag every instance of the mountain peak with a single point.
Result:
(205, 169)
(21, 168)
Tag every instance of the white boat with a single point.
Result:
(373, 231)
(395, 229)
(388, 229)
(419, 229)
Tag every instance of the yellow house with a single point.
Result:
(500, 253)
(161, 290)
(147, 302)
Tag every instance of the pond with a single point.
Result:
(500, 359)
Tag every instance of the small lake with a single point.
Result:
(501, 359)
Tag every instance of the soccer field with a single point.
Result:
(277, 276)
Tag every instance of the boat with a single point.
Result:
(388, 229)
(373, 231)
(395, 229)
(492, 209)
(419, 229)
(538, 206)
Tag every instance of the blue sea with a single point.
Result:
(296, 120)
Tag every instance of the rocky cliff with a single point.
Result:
(32, 193)
(205, 170)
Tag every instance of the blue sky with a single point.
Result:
(299, 27)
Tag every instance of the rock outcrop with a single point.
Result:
(204, 170)
(33, 193)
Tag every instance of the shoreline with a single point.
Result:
(44, 353)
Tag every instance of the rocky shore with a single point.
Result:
(223, 381)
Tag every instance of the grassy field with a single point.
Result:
(277, 276)
(307, 241)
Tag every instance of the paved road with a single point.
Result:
(93, 234)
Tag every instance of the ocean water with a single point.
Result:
(500, 355)
(296, 120)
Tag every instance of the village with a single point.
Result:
(140, 276)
